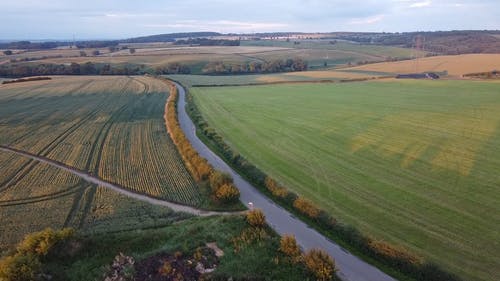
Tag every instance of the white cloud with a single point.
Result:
(421, 4)
(368, 20)
(221, 25)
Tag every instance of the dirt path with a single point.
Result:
(95, 180)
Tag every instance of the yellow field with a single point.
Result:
(110, 126)
(329, 74)
(150, 55)
(455, 65)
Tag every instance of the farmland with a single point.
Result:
(110, 127)
(151, 56)
(456, 66)
(302, 76)
(410, 162)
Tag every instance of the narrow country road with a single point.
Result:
(95, 180)
(351, 268)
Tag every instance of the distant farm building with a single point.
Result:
(427, 75)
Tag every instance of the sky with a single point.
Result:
(117, 19)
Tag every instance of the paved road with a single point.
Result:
(350, 267)
(95, 180)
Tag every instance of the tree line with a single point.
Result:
(88, 68)
(223, 190)
(207, 42)
(273, 66)
(28, 45)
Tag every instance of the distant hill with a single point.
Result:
(169, 37)
(439, 42)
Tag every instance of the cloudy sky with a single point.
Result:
(99, 19)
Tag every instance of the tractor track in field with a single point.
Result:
(85, 197)
(35, 199)
(177, 207)
(28, 166)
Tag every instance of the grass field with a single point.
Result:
(456, 66)
(411, 162)
(112, 127)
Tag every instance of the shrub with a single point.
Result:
(392, 253)
(320, 264)
(227, 193)
(256, 218)
(25, 263)
(289, 247)
(306, 207)
(40, 243)
(218, 179)
(19, 267)
(275, 189)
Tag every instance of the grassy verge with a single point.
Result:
(254, 261)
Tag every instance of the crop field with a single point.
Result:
(412, 162)
(156, 56)
(342, 52)
(304, 76)
(111, 127)
(49, 197)
(456, 66)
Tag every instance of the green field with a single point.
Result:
(316, 52)
(196, 80)
(111, 127)
(411, 162)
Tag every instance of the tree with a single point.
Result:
(7, 52)
(256, 218)
(320, 264)
(131, 50)
(75, 68)
(88, 68)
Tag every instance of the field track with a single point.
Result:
(95, 180)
